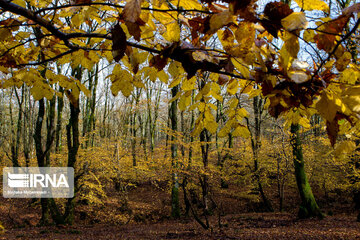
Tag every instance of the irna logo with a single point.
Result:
(37, 180)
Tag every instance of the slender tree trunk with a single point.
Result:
(175, 204)
(167, 135)
(185, 179)
(40, 155)
(15, 145)
(60, 106)
(103, 130)
(73, 142)
(308, 207)
(153, 120)
(204, 140)
(28, 128)
(143, 134)
(50, 125)
(134, 128)
(92, 122)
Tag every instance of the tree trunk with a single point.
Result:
(15, 145)
(185, 179)
(175, 204)
(28, 128)
(204, 140)
(308, 207)
(40, 155)
(50, 126)
(73, 142)
(60, 106)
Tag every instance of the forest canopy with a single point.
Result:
(239, 47)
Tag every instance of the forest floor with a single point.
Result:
(147, 220)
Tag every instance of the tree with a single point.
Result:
(175, 203)
(308, 207)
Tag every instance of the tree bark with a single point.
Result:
(308, 206)
(175, 204)
(40, 155)
(60, 106)
(73, 142)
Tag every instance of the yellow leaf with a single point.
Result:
(326, 107)
(201, 107)
(77, 20)
(83, 88)
(245, 34)
(304, 122)
(163, 77)
(215, 91)
(233, 103)
(309, 35)
(241, 67)
(41, 90)
(295, 21)
(350, 75)
(172, 33)
(187, 4)
(175, 82)
(291, 44)
(226, 38)
(175, 69)
(310, 5)
(206, 89)
(241, 131)
(329, 104)
(138, 83)
(138, 57)
(21, 3)
(121, 80)
(233, 87)
(254, 93)
(194, 106)
(164, 17)
(351, 97)
(184, 102)
(241, 113)
(211, 126)
(188, 84)
(345, 147)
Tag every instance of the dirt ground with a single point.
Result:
(239, 226)
(148, 220)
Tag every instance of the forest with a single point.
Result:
(183, 119)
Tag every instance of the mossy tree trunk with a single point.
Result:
(308, 207)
